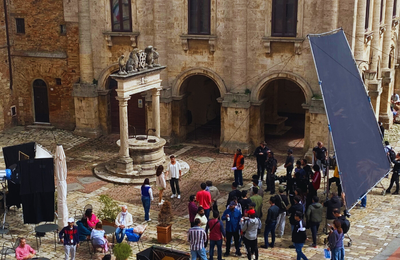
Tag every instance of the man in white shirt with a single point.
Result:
(175, 169)
(122, 221)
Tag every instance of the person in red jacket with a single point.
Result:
(217, 233)
(316, 180)
(238, 166)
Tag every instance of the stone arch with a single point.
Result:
(104, 74)
(300, 82)
(176, 86)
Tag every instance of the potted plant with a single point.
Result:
(122, 251)
(108, 211)
(164, 223)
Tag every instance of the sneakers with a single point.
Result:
(264, 246)
(148, 220)
(313, 245)
(173, 196)
(162, 202)
(226, 254)
(238, 254)
(271, 245)
(179, 196)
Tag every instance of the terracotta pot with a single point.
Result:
(107, 223)
(164, 234)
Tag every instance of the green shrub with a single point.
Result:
(109, 209)
(122, 251)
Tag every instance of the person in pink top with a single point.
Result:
(92, 220)
(203, 199)
(24, 251)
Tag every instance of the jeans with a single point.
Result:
(364, 201)
(217, 243)
(238, 177)
(119, 234)
(394, 179)
(270, 228)
(200, 253)
(174, 182)
(338, 253)
(251, 247)
(280, 223)
(300, 254)
(260, 170)
(235, 236)
(146, 206)
(207, 213)
(314, 230)
(70, 250)
(338, 184)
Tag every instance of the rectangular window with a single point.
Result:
(121, 16)
(63, 29)
(284, 18)
(20, 22)
(199, 16)
(367, 14)
(394, 8)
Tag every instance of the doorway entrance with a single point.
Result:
(40, 101)
(136, 111)
(284, 116)
(202, 110)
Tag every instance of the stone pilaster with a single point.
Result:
(360, 31)
(123, 126)
(156, 111)
(375, 44)
(387, 35)
(385, 114)
(239, 44)
(85, 42)
(331, 10)
(374, 92)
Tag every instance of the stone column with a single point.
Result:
(123, 126)
(85, 43)
(387, 36)
(375, 39)
(360, 30)
(156, 111)
(331, 10)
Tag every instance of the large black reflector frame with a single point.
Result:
(355, 132)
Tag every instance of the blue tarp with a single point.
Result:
(355, 133)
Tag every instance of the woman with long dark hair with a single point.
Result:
(335, 239)
(160, 183)
(91, 218)
(147, 197)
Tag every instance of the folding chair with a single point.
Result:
(88, 206)
(9, 250)
(139, 240)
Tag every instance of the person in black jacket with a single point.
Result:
(270, 223)
(293, 209)
(289, 164)
(261, 154)
(299, 235)
(331, 204)
(234, 193)
(395, 175)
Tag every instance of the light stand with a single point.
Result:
(4, 227)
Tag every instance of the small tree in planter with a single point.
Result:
(122, 251)
(109, 210)
(164, 223)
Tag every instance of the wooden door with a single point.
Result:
(41, 101)
(136, 112)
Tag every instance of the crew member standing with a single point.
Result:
(395, 175)
(261, 154)
(270, 166)
(238, 162)
(320, 155)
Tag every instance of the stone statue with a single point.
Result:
(132, 64)
(121, 62)
(142, 60)
(149, 56)
(155, 57)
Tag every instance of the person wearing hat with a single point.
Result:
(69, 236)
(261, 154)
(282, 203)
(250, 227)
(232, 217)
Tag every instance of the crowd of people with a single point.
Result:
(244, 208)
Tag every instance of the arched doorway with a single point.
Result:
(202, 110)
(283, 115)
(136, 111)
(40, 101)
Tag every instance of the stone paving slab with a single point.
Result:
(88, 180)
(74, 187)
(203, 159)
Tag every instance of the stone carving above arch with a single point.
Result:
(274, 75)
(104, 74)
(180, 79)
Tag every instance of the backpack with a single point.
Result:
(345, 225)
(392, 154)
(282, 205)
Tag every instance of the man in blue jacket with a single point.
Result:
(232, 217)
(69, 236)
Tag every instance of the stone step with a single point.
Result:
(41, 126)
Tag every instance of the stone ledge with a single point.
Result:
(40, 54)
(132, 35)
(298, 43)
(210, 38)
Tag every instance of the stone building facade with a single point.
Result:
(243, 69)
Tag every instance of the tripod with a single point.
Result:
(4, 226)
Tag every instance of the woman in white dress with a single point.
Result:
(160, 183)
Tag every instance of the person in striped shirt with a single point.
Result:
(197, 238)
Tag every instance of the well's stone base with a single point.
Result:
(111, 172)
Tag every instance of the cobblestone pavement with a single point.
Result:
(371, 229)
